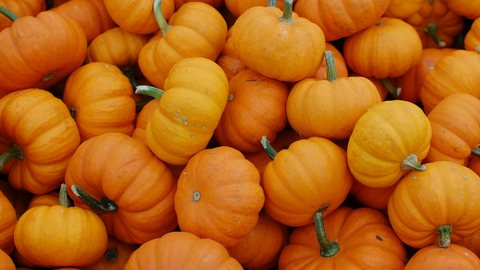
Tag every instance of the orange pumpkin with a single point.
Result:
(466, 8)
(49, 199)
(20, 8)
(228, 60)
(403, 8)
(340, 65)
(115, 256)
(435, 257)
(237, 7)
(18, 198)
(472, 38)
(7, 225)
(214, 3)
(371, 197)
(6, 263)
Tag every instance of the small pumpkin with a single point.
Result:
(435, 257)
(228, 60)
(21, 8)
(7, 225)
(6, 263)
(469, 9)
(115, 256)
(472, 38)
(371, 197)
(402, 9)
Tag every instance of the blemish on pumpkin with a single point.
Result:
(379, 238)
(193, 137)
(414, 177)
(238, 220)
(49, 76)
(184, 119)
(107, 67)
(465, 177)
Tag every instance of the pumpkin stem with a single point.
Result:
(141, 103)
(411, 163)
(104, 206)
(14, 152)
(476, 152)
(327, 248)
(431, 30)
(330, 63)
(272, 3)
(150, 91)
(394, 91)
(287, 12)
(128, 72)
(431, 2)
(157, 9)
(268, 147)
(63, 196)
(111, 254)
(8, 13)
(444, 231)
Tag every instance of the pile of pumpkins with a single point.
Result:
(239, 134)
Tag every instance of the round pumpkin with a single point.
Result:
(472, 38)
(435, 257)
(7, 225)
(115, 256)
(228, 60)
(6, 263)
(21, 8)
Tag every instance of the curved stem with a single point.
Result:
(287, 12)
(431, 30)
(150, 91)
(330, 63)
(128, 72)
(157, 9)
(475, 152)
(327, 248)
(394, 91)
(268, 147)
(14, 152)
(411, 163)
(444, 231)
(272, 3)
(63, 196)
(10, 15)
(104, 206)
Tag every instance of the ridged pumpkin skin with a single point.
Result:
(402, 9)
(366, 240)
(375, 198)
(444, 194)
(219, 196)
(276, 49)
(195, 97)
(6, 262)
(49, 235)
(118, 167)
(228, 60)
(60, 48)
(99, 97)
(294, 187)
(435, 257)
(237, 8)
(455, 128)
(115, 257)
(182, 250)
(470, 9)
(21, 8)
(472, 38)
(383, 138)
(8, 221)
(41, 125)
(341, 18)
(457, 72)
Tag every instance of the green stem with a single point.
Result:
(104, 206)
(128, 72)
(8, 13)
(272, 3)
(268, 147)
(150, 91)
(444, 231)
(63, 196)
(431, 30)
(394, 91)
(330, 63)
(327, 248)
(157, 9)
(476, 152)
(461, 40)
(141, 103)
(411, 163)
(14, 152)
(287, 12)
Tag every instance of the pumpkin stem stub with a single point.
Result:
(444, 231)
(104, 206)
(268, 147)
(394, 91)
(196, 196)
(10, 15)
(330, 63)
(327, 248)
(49, 76)
(272, 3)
(63, 196)
(476, 152)
(111, 254)
(431, 30)
(149, 91)
(157, 10)
(411, 163)
(287, 12)
(14, 152)
(230, 98)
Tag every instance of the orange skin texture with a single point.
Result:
(182, 250)
(228, 60)
(106, 262)
(219, 196)
(402, 9)
(140, 184)
(471, 242)
(436, 257)
(8, 221)
(237, 8)
(472, 38)
(455, 128)
(49, 199)
(294, 189)
(375, 198)
(21, 8)
(278, 50)
(6, 263)
(383, 137)
(387, 48)
(444, 194)
(358, 233)
(470, 9)
(457, 72)
(41, 125)
(340, 65)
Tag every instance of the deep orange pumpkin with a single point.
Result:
(21, 8)
(8, 221)
(472, 38)
(435, 257)
(115, 256)
(6, 263)
(228, 60)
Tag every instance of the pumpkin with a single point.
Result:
(330, 108)
(471, 242)
(387, 142)
(255, 107)
(340, 18)
(193, 21)
(455, 125)
(6, 263)
(128, 186)
(340, 65)
(115, 256)
(294, 188)
(182, 250)
(345, 239)
(472, 38)
(49, 199)
(438, 205)
(228, 60)
(237, 7)
(437, 25)
(142, 120)
(38, 138)
(456, 72)
(137, 16)
(219, 196)
(435, 257)
(214, 3)
(279, 45)
(20, 8)
(7, 225)
(402, 9)
(99, 98)
(474, 164)
(49, 235)
(60, 48)
(398, 41)
(18, 198)
(190, 107)
(371, 197)
(469, 9)
(379, 84)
